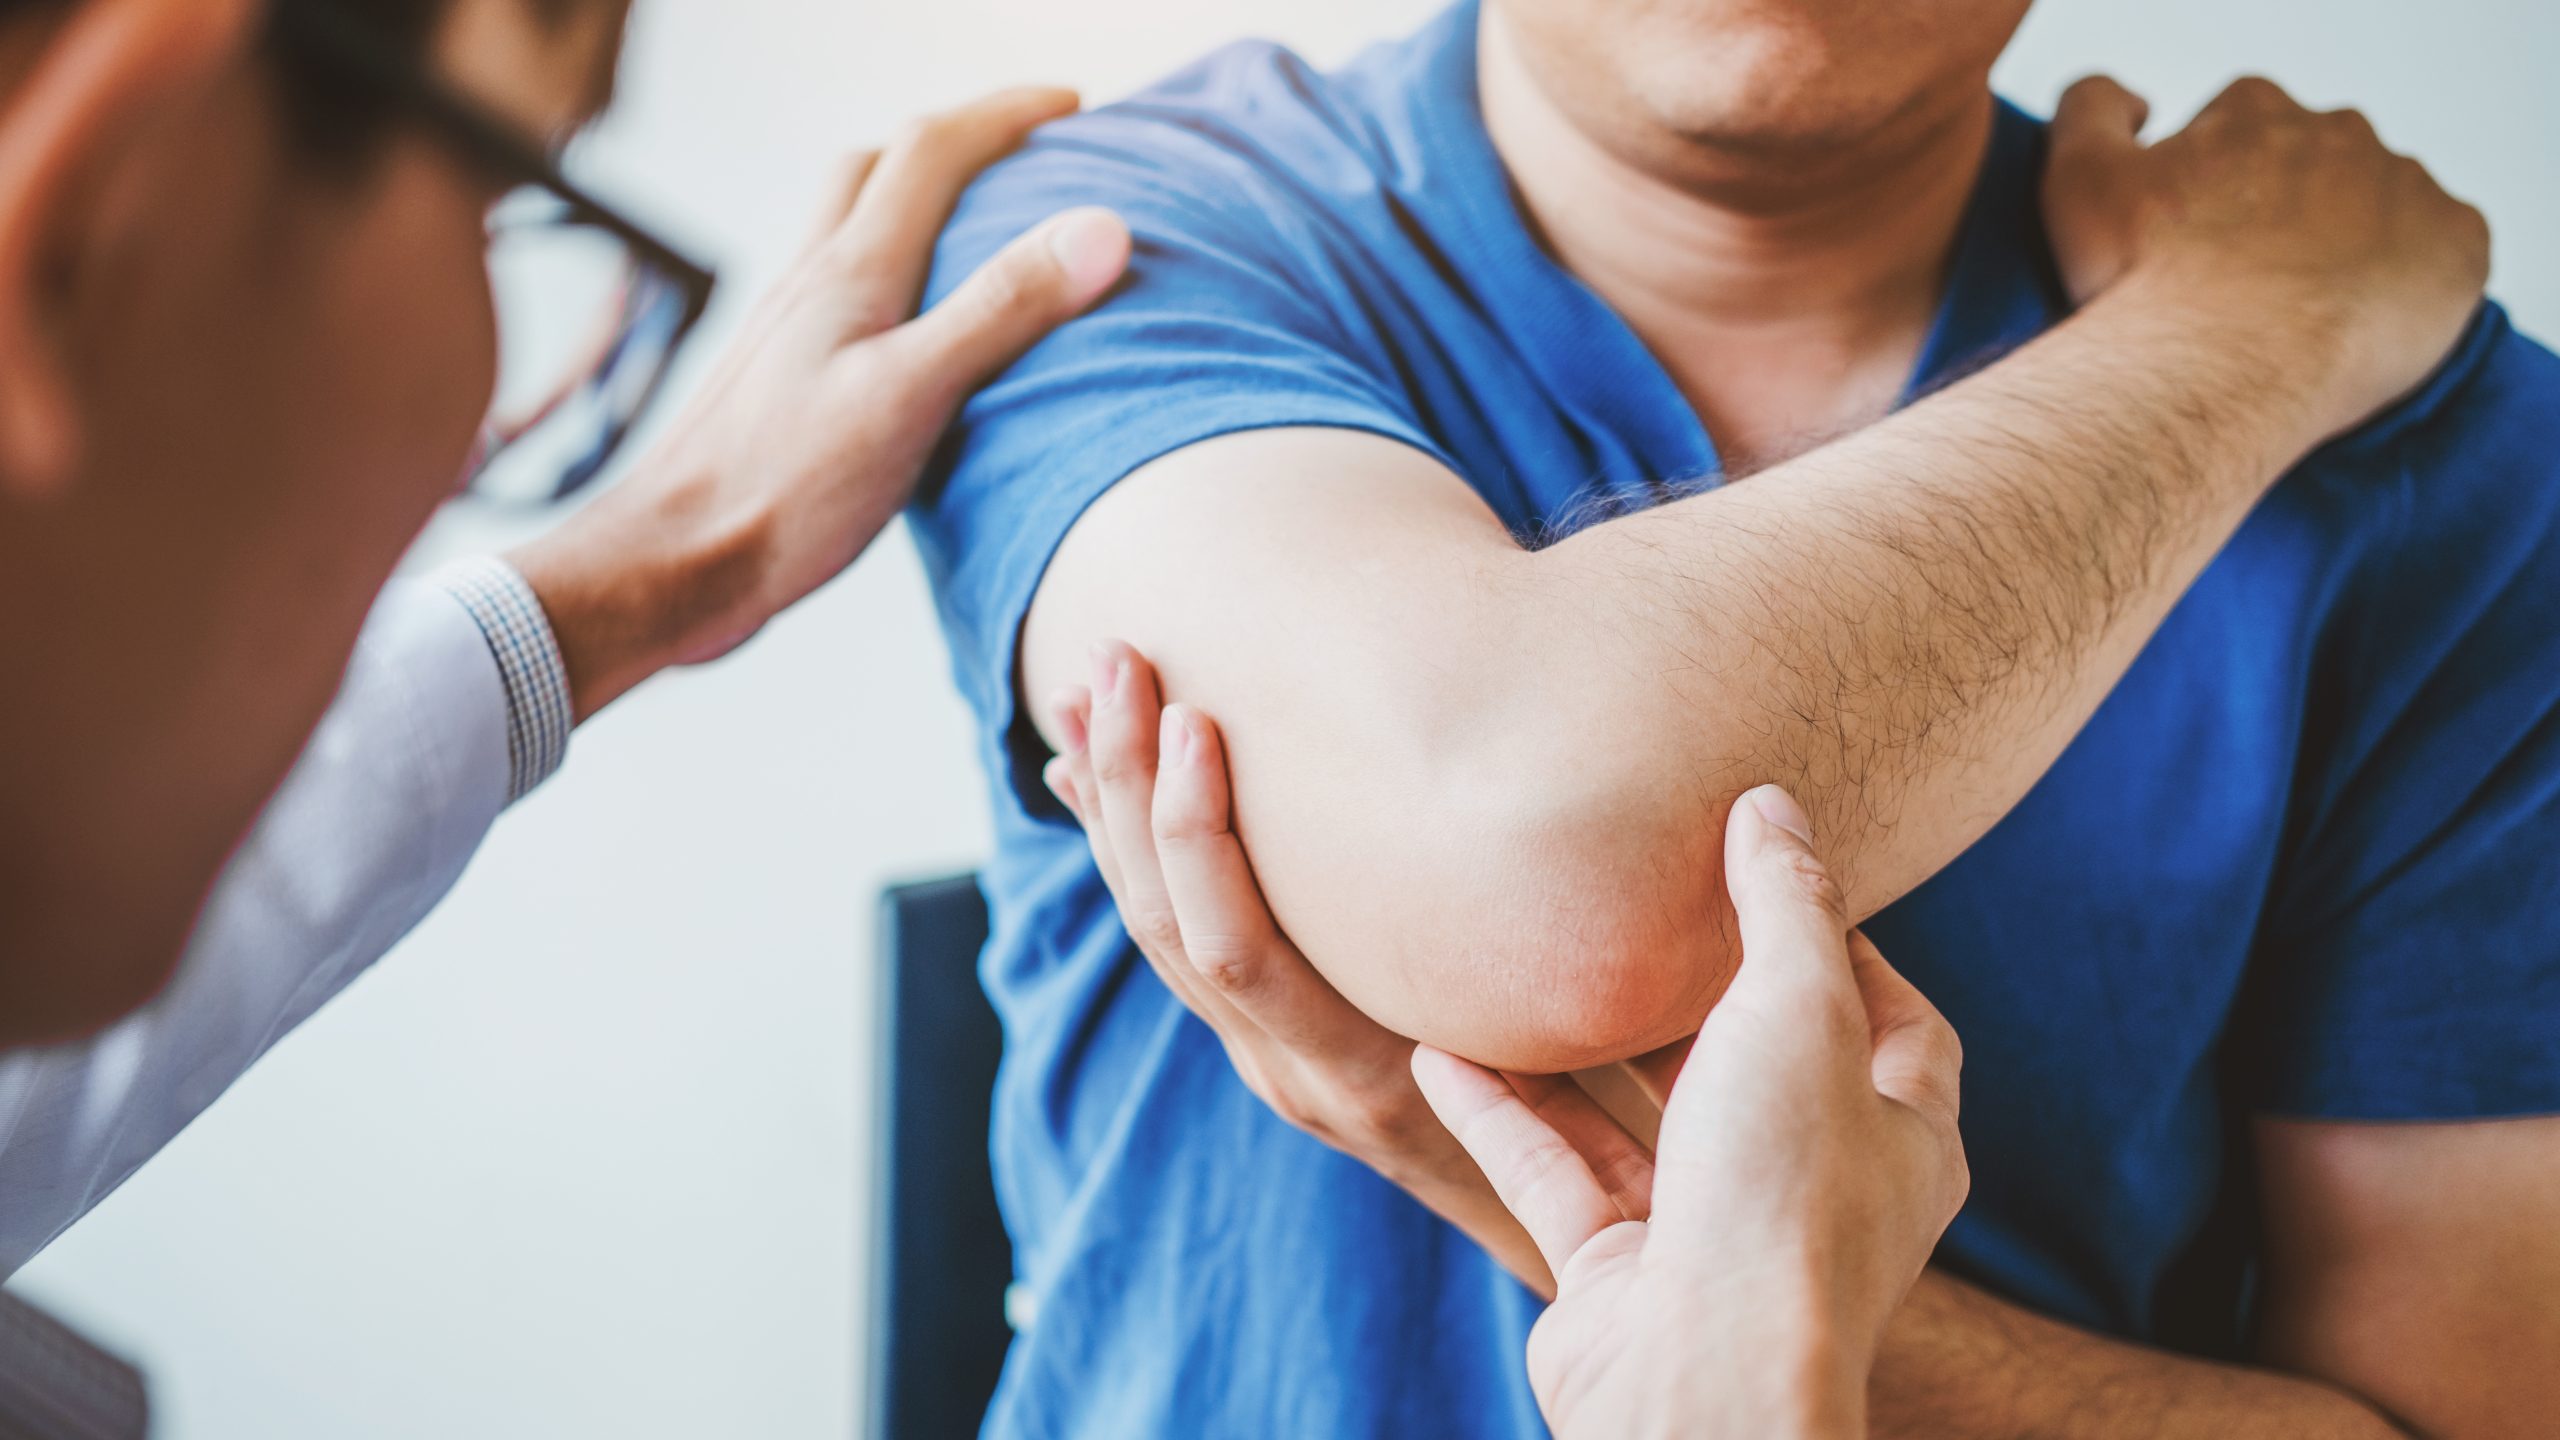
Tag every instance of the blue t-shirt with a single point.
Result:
(2303, 861)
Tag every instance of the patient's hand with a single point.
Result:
(2263, 206)
(1149, 784)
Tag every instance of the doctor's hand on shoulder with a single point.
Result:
(814, 428)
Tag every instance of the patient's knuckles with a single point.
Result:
(1182, 823)
(1118, 763)
(1158, 932)
(1230, 964)
(2349, 128)
(2253, 95)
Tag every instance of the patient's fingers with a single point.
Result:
(1124, 723)
(1116, 780)
(1228, 934)
(1540, 1177)
(910, 193)
(2091, 204)
(1069, 776)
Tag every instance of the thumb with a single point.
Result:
(1031, 287)
(1794, 918)
(2098, 110)
(2091, 204)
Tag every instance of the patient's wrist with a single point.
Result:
(2263, 363)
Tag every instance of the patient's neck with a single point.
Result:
(1788, 296)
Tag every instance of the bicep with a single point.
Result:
(2419, 1266)
(1245, 567)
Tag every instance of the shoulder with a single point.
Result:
(2454, 490)
(1242, 149)
(2477, 445)
(2439, 527)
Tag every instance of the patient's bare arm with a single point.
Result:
(1483, 785)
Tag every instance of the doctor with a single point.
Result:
(248, 338)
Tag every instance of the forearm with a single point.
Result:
(1908, 626)
(1958, 1361)
(1482, 784)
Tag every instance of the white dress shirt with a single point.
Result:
(454, 705)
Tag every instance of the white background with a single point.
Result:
(585, 1157)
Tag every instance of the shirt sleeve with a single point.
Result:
(2412, 966)
(400, 782)
(1231, 319)
(540, 713)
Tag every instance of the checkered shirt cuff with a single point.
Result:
(511, 619)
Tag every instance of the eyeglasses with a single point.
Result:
(592, 307)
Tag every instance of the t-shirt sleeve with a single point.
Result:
(2412, 969)
(1234, 317)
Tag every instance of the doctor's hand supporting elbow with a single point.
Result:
(1737, 1283)
(1807, 1164)
(812, 431)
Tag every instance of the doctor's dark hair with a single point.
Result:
(331, 111)
(339, 114)
(333, 114)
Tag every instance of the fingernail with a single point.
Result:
(1091, 246)
(1178, 743)
(1107, 670)
(1780, 809)
(1054, 775)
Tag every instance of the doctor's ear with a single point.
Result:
(90, 77)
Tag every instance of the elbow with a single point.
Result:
(1489, 859)
(1544, 916)
(1610, 936)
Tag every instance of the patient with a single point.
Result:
(2187, 738)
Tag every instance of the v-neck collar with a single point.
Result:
(2002, 287)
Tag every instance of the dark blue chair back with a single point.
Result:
(940, 1258)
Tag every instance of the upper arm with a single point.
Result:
(1406, 766)
(2408, 968)
(2419, 1266)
